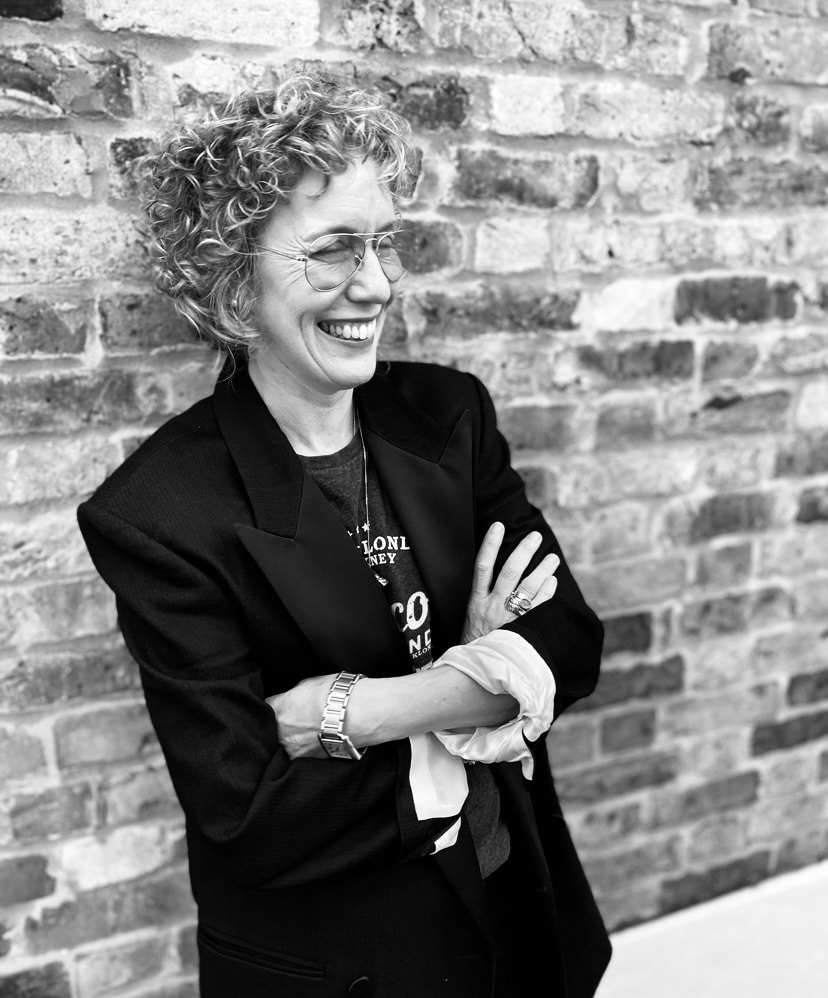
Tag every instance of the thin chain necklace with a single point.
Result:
(358, 429)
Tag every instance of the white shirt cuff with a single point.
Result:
(503, 662)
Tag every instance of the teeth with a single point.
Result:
(350, 330)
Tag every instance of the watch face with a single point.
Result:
(339, 747)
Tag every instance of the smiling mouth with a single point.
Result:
(349, 330)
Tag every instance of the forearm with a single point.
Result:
(383, 710)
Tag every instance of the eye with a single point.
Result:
(332, 248)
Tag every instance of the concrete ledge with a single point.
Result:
(762, 942)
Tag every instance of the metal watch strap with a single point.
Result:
(331, 737)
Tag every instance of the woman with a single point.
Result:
(317, 571)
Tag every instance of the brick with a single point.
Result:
(48, 544)
(811, 597)
(627, 304)
(31, 326)
(630, 632)
(127, 166)
(727, 465)
(34, 470)
(734, 412)
(387, 24)
(728, 359)
(787, 652)
(55, 812)
(788, 774)
(692, 888)
(122, 854)
(743, 51)
(45, 164)
(139, 322)
(622, 529)
(202, 80)
(142, 796)
(37, 247)
(732, 513)
(650, 182)
(55, 611)
(799, 354)
(640, 682)
(601, 826)
(622, 869)
(628, 907)
(769, 821)
(717, 754)
(716, 837)
(631, 582)
(585, 243)
(811, 412)
(180, 989)
(53, 678)
(48, 981)
(187, 949)
(103, 736)
(799, 553)
(736, 790)
(613, 779)
(563, 181)
(540, 484)
(24, 878)
(752, 183)
(732, 613)
(813, 505)
(528, 105)
(290, 28)
(21, 754)
(823, 766)
(586, 481)
(41, 82)
(435, 246)
(757, 118)
(725, 566)
(720, 663)
(641, 114)
(512, 245)
(626, 732)
(734, 299)
(662, 359)
(103, 971)
(813, 128)
(780, 735)
(448, 24)
(32, 10)
(74, 400)
(147, 903)
(807, 847)
(725, 709)
(570, 742)
(495, 308)
(433, 103)
(547, 427)
(626, 424)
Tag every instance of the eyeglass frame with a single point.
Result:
(368, 238)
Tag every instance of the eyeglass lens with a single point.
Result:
(335, 258)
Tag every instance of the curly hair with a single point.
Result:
(210, 191)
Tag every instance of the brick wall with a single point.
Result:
(623, 222)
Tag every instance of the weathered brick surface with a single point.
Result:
(621, 227)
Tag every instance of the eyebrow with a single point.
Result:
(349, 230)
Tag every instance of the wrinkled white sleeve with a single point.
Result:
(503, 662)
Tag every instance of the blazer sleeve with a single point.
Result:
(264, 819)
(564, 631)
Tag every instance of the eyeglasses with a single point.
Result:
(333, 259)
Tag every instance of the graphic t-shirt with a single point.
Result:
(379, 536)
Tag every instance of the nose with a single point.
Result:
(369, 283)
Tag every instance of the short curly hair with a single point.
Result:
(210, 191)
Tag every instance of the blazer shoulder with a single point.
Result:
(433, 387)
(172, 464)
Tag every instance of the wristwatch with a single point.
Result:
(331, 737)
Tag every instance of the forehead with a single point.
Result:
(354, 200)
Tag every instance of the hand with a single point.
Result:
(487, 609)
(298, 713)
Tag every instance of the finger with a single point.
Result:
(515, 565)
(486, 557)
(546, 591)
(532, 583)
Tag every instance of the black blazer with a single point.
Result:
(235, 580)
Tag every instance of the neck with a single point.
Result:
(313, 423)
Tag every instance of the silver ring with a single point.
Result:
(518, 602)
